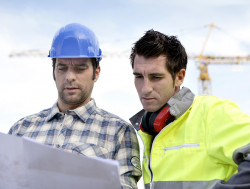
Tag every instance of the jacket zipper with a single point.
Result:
(150, 169)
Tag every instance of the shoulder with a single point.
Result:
(28, 121)
(113, 119)
(40, 115)
(212, 105)
(213, 101)
(210, 98)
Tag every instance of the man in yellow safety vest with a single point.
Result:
(190, 142)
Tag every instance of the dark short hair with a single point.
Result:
(154, 43)
(95, 64)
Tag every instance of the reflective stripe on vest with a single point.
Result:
(182, 184)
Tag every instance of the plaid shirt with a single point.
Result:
(87, 130)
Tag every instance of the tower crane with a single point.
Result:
(204, 80)
(203, 61)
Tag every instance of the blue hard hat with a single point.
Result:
(75, 41)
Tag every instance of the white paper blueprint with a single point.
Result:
(25, 164)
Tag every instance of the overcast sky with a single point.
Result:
(27, 85)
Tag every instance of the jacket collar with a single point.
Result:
(179, 104)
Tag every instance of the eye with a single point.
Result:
(156, 78)
(138, 76)
(80, 69)
(62, 68)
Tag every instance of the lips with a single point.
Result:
(147, 99)
(71, 89)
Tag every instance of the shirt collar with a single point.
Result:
(82, 112)
(86, 110)
(53, 112)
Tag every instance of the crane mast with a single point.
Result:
(202, 61)
(204, 80)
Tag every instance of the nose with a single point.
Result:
(146, 87)
(70, 75)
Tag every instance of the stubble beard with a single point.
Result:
(74, 99)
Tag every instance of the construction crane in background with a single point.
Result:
(202, 61)
(204, 80)
(37, 53)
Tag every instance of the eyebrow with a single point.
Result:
(156, 74)
(61, 64)
(64, 64)
(81, 64)
(136, 73)
(151, 74)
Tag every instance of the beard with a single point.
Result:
(75, 98)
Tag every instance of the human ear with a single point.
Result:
(97, 73)
(180, 77)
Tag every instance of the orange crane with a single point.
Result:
(204, 80)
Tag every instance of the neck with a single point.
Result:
(64, 107)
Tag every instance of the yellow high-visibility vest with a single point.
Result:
(196, 150)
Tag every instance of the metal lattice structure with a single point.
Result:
(202, 61)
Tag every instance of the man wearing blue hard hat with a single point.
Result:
(74, 123)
